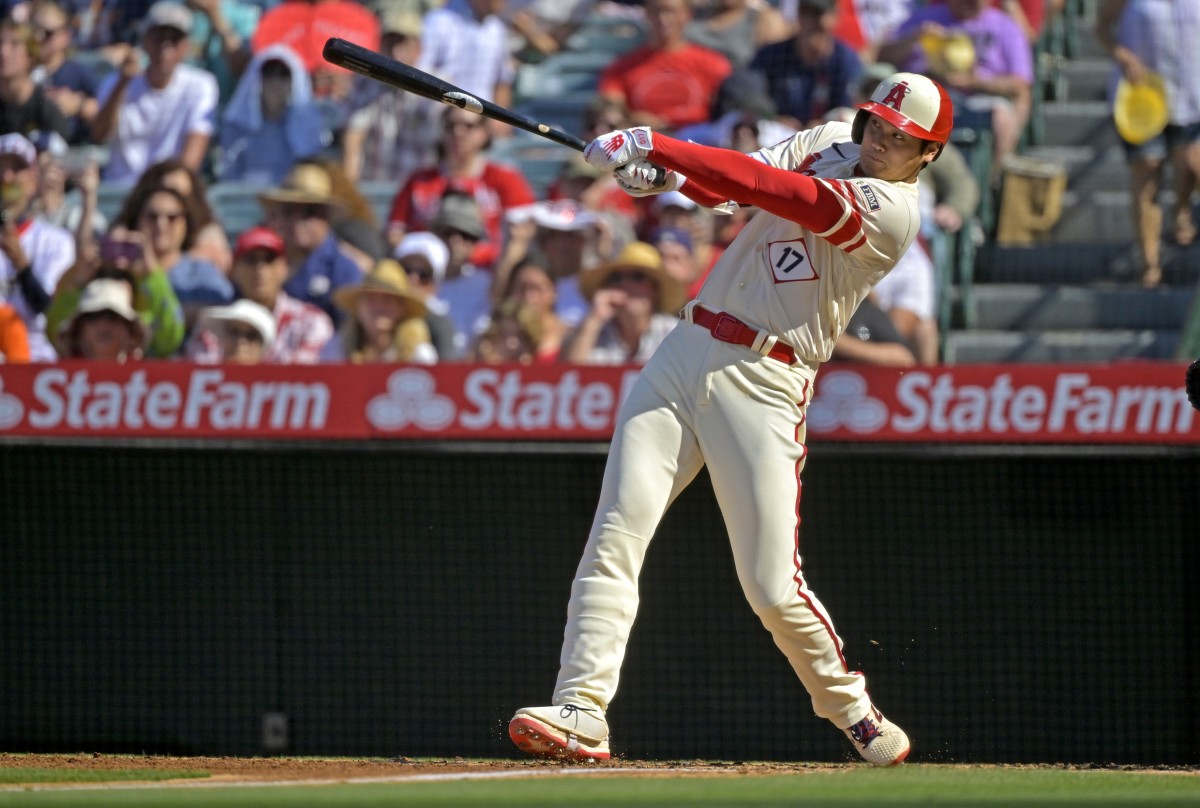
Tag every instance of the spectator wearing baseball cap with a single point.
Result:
(634, 305)
(167, 110)
(385, 322)
(104, 326)
(393, 133)
(244, 329)
(259, 271)
(34, 254)
(424, 257)
(464, 294)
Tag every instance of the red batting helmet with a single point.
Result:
(914, 104)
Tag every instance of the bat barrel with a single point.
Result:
(406, 77)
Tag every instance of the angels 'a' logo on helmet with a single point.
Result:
(896, 95)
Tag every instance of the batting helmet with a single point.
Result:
(914, 104)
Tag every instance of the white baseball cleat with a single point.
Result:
(565, 732)
(879, 741)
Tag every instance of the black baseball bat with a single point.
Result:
(406, 77)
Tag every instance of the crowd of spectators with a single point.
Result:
(167, 101)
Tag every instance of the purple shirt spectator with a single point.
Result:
(1001, 49)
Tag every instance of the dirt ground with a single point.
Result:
(267, 769)
(229, 769)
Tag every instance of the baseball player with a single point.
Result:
(838, 206)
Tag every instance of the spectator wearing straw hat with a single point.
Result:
(634, 305)
(245, 331)
(302, 210)
(424, 257)
(104, 326)
(385, 320)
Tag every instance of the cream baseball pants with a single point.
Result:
(702, 402)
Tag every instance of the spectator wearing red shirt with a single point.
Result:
(669, 82)
(463, 168)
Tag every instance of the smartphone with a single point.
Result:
(114, 250)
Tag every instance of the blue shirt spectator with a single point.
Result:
(813, 72)
(326, 268)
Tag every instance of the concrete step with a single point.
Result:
(1081, 264)
(1098, 216)
(1089, 169)
(1086, 79)
(1038, 307)
(1078, 123)
(963, 347)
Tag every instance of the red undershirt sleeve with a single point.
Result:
(735, 176)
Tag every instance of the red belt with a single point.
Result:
(727, 328)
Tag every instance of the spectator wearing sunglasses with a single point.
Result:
(168, 223)
(302, 210)
(24, 106)
(634, 305)
(424, 257)
(463, 167)
(259, 270)
(168, 110)
(67, 81)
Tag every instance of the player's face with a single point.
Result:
(889, 154)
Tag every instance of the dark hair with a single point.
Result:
(533, 258)
(152, 177)
(136, 203)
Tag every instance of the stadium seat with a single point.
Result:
(236, 205)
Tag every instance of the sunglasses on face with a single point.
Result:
(43, 33)
(169, 216)
(636, 276)
(306, 211)
(422, 275)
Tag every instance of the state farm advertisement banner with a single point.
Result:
(1140, 402)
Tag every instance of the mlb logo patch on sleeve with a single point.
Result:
(869, 196)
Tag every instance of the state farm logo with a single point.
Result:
(411, 398)
(491, 400)
(842, 401)
(11, 409)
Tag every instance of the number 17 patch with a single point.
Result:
(790, 261)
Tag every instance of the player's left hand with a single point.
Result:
(642, 178)
(619, 147)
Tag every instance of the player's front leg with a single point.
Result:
(652, 459)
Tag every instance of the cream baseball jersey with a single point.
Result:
(802, 286)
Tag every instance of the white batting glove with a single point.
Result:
(643, 178)
(618, 148)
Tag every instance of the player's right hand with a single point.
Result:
(643, 178)
(619, 147)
